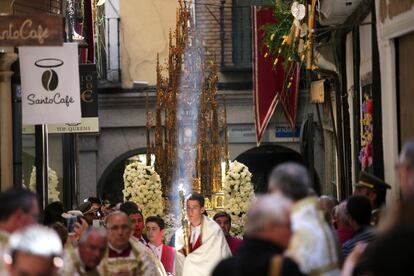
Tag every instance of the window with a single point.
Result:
(242, 32)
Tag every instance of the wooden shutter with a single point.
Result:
(406, 87)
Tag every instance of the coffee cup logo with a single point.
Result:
(50, 79)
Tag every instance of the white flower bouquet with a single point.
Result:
(238, 193)
(53, 193)
(142, 185)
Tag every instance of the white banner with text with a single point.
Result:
(50, 84)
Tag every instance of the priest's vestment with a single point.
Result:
(73, 265)
(210, 249)
(138, 259)
(4, 248)
(313, 245)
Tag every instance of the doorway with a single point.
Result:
(261, 161)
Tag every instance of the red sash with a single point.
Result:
(196, 245)
(168, 258)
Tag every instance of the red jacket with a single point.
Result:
(168, 258)
(234, 243)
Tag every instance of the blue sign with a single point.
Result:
(287, 132)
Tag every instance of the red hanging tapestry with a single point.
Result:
(269, 82)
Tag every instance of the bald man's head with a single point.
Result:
(290, 179)
(119, 230)
(113, 215)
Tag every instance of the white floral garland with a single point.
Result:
(238, 193)
(53, 193)
(142, 185)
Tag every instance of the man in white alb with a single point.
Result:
(208, 246)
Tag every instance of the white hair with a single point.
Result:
(267, 209)
(292, 180)
(116, 213)
(341, 213)
(36, 240)
(99, 230)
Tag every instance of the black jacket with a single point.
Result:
(391, 254)
(253, 258)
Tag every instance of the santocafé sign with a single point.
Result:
(41, 30)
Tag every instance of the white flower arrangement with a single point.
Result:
(238, 193)
(172, 223)
(53, 193)
(142, 185)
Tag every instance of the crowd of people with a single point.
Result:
(288, 231)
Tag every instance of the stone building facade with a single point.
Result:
(122, 109)
(395, 42)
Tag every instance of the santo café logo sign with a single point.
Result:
(50, 81)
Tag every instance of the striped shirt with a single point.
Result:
(363, 235)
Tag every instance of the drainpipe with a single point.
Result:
(357, 93)
(222, 2)
(194, 12)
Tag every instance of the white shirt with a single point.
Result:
(156, 249)
(195, 233)
(142, 240)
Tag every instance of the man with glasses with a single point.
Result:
(18, 209)
(124, 255)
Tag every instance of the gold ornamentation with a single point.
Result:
(184, 222)
(134, 265)
(185, 136)
(218, 201)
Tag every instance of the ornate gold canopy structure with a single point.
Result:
(187, 132)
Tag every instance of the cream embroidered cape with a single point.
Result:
(313, 245)
(141, 262)
(203, 260)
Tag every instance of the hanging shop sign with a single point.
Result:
(50, 84)
(35, 30)
(89, 104)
